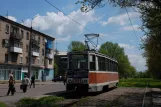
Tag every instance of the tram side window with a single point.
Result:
(99, 63)
(103, 64)
(106, 64)
(112, 64)
(92, 62)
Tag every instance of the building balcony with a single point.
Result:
(14, 35)
(48, 65)
(49, 55)
(35, 42)
(35, 54)
(16, 47)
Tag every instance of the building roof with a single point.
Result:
(25, 27)
(61, 53)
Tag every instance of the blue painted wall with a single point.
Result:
(49, 44)
(49, 74)
(40, 74)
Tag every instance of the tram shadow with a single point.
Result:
(77, 94)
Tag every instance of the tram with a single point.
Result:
(91, 71)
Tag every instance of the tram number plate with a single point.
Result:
(77, 81)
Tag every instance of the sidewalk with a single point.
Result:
(156, 95)
(36, 83)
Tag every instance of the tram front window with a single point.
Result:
(78, 61)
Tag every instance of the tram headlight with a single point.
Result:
(85, 81)
(69, 81)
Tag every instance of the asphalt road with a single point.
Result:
(40, 90)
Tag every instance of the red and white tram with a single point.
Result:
(91, 71)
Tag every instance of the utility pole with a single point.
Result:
(30, 49)
(30, 53)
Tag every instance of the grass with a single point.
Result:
(48, 101)
(140, 82)
(3, 104)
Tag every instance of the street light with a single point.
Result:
(30, 49)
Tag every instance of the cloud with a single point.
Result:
(135, 57)
(12, 18)
(104, 34)
(126, 46)
(67, 38)
(130, 28)
(121, 19)
(61, 24)
(138, 61)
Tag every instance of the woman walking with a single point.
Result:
(11, 86)
(25, 83)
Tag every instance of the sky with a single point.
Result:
(112, 23)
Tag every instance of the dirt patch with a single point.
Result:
(119, 97)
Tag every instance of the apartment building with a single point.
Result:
(14, 51)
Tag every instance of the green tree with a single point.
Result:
(88, 5)
(115, 51)
(151, 18)
(56, 69)
(76, 46)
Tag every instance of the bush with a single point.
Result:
(27, 102)
(3, 104)
(48, 101)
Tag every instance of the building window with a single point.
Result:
(27, 60)
(42, 52)
(5, 43)
(14, 57)
(42, 61)
(7, 29)
(27, 48)
(33, 60)
(27, 36)
(6, 58)
(38, 60)
(47, 73)
(2, 74)
(39, 38)
(22, 33)
(21, 58)
(50, 61)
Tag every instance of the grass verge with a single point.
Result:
(2, 104)
(140, 82)
(48, 101)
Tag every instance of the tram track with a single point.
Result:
(119, 97)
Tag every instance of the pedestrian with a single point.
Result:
(11, 86)
(33, 81)
(65, 78)
(25, 83)
(10, 74)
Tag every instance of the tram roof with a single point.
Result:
(94, 52)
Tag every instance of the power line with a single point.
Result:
(131, 24)
(68, 16)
